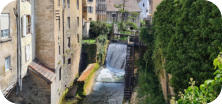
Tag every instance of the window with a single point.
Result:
(26, 25)
(4, 26)
(59, 50)
(69, 61)
(69, 42)
(58, 2)
(78, 37)
(143, 5)
(90, 9)
(58, 22)
(68, 3)
(60, 73)
(27, 53)
(7, 63)
(64, 3)
(90, 0)
(90, 19)
(68, 21)
(78, 21)
(77, 4)
(64, 61)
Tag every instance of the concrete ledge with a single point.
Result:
(87, 78)
(86, 72)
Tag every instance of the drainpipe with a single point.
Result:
(33, 29)
(19, 81)
(63, 31)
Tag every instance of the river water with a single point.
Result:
(109, 83)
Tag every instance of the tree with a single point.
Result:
(99, 28)
(187, 36)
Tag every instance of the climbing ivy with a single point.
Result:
(102, 45)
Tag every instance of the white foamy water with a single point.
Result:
(110, 75)
(109, 85)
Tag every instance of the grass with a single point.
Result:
(124, 38)
(89, 41)
(126, 32)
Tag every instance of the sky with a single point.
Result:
(3, 3)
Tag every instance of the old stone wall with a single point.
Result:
(44, 27)
(8, 47)
(86, 14)
(25, 40)
(88, 56)
(154, 4)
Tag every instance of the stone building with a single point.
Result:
(145, 9)
(89, 14)
(101, 6)
(58, 34)
(89, 10)
(130, 6)
(26, 36)
(154, 4)
(9, 43)
(8, 47)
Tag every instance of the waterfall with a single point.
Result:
(116, 56)
(109, 85)
(115, 64)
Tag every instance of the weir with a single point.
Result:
(110, 82)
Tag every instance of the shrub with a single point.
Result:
(99, 28)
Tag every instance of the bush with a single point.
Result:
(206, 92)
(99, 28)
(102, 44)
(149, 90)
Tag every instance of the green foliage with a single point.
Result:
(99, 28)
(102, 44)
(187, 36)
(89, 41)
(126, 27)
(149, 90)
(206, 92)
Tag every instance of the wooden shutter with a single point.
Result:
(24, 25)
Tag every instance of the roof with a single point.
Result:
(44, 72)
(130, 5)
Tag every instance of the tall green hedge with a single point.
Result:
(187, 36)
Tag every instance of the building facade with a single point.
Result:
(154, 4)
(8, 47)
(58, 29)
(145, 9)
(26, 36)
(131, 7)
(101, 6)
(89, 10)
(89, 14)
(50, 46)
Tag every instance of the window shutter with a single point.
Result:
(24, 25)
